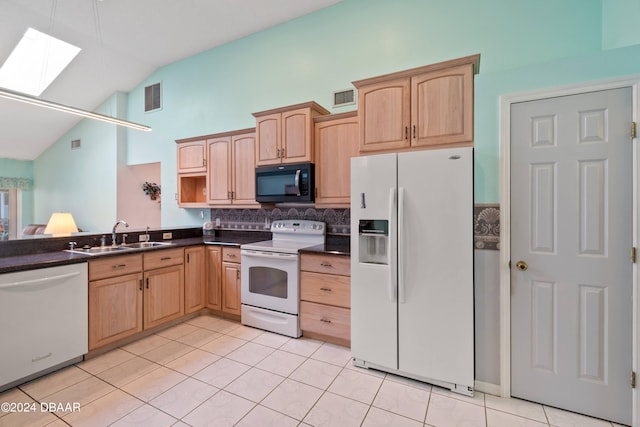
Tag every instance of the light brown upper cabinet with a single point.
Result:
(192, 156)
(285, 135)
(231, 172)
(336, 142)
(418, 108)
(192, 172)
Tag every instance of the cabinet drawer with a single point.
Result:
(332, 264)
(325, 320)
(231, 254)
(114, 266)
(325, 288)
(163, 258)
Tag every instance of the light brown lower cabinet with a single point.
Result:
(115, 299)
(231, 281)
(130, 293)
(223, 279)
(194, 278)
(325, 297)
(214, 277)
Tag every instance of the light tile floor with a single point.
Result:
(212, 371)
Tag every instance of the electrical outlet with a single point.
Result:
(217, 222)
(167, 236)
(143, 238)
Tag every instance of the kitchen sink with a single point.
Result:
(140, 245)
(97, 250)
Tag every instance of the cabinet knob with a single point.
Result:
(325, 320)
(325, 289)
(326, 264)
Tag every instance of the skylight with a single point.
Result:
(35, 62)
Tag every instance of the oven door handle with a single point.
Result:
(269, 255)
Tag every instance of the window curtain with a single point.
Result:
(18, 183)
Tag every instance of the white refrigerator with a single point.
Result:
(412, 265)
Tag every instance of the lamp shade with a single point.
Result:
(61, 223)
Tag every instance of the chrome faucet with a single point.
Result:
(113, 232)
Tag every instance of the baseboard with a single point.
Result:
(487, 388)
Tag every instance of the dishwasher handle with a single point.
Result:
(38, 282)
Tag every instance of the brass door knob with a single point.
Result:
(522, 266)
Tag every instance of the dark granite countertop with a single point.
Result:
(43, 260)
(61, 257)
(334, 245)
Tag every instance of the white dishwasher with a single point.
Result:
(44, 320)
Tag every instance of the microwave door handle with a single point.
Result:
(297, 182)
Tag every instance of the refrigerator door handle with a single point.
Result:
(401, 290)
(392, 258)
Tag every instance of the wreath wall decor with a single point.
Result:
(152, 190)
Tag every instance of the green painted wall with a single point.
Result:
(81, 181)
(308, 58)
(620, 23)
(524, 44)
(13, 168)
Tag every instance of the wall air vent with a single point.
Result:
(152, 98)
(344, 97)
(75, 144)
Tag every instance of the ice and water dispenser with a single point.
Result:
(374, 241)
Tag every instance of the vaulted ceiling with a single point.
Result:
(122, 41)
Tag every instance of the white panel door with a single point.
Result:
(571, 223)
(374, 323)
(435, 264)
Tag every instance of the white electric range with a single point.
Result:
(270, 279)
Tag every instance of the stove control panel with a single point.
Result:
(298, 226)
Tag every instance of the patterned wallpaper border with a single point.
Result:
(337, 220)
(486, 221)
(486, 226)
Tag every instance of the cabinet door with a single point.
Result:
(115, 309)
(219, 175)
(336, 141)
(384, 110)
(194, 279)
(163, 295)
(268, 139)
(231, 288)
(442, 107)
(296, 136)
(214, 277)
(192, 157)
(244, 169)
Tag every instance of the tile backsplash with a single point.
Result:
(337, 220)
(486, 221)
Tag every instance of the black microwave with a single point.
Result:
(285, 183)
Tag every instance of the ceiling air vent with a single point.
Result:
(75, 144)
(152, 97)
(344, 97)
